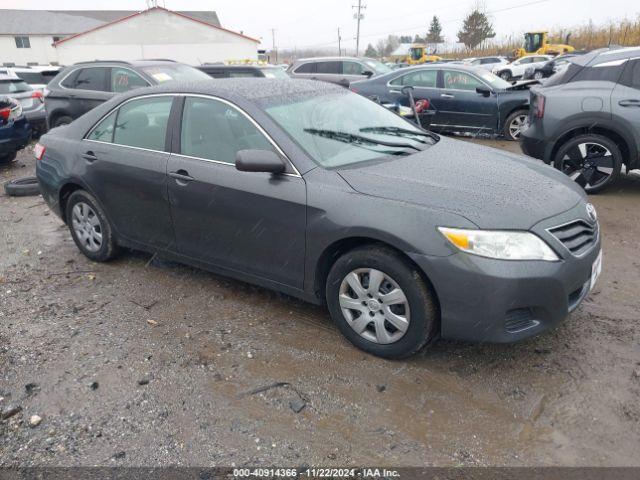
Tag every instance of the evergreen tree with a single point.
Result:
(435, 31)
(475, 29)
(370, 51)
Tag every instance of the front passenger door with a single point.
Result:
(248, 222)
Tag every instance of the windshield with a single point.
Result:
(416, 53)
(177, 72)
(32, 78)
(494, 81)
(376, 66)
(344, 128)
(274, 72)
(14, 86)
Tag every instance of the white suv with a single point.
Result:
(516, 69)
(37, 76)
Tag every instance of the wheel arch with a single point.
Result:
(341, 246)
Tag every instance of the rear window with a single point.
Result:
(32, 78)
(14, 86)
(177, 72)
(306, 68)
(274, 73)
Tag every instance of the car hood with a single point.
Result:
(489, 187)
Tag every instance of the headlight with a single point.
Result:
(502, 245)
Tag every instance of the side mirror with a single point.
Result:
(367, 73)
(259, 161)
(485, 92)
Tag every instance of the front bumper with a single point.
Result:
(499, 301)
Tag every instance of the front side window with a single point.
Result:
(103, 132)
(460, 80)
(423, 78)
(123, 80)
(214, 130)
(91, 79)
(631, 77)
(22, 42)
(142, 123)
(352, 68)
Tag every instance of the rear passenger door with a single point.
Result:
(87, 88)
(124, 158)
(249, 222)
(424, 83)
(329, 71)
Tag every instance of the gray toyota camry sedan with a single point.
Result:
(309, 189)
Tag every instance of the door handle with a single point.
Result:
(447, 95)
(89, 156)
(631, 102)
(395, 91)
(182, 176)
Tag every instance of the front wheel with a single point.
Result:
(592, 161)
(515, 124)
(538, 75)
(381, 303)
(505, 75)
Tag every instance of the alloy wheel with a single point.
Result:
(589, 164)
(374, 305)
(537, 75)
(86, 226)
(518, 125)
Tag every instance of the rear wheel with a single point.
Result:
(505, 75)
(592, 161)
(515, 124)
(64, 120)
(89, 227)
(381, 303)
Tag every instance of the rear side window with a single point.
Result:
(306, 68)
(328, 67)
(91, 79)
(143, 123)
(103, 132)
(123, 80)
(631, 77)
(216, 131)
(424, 78)
(599, 74)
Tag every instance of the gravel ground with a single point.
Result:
(143, 362)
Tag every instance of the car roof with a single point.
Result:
(332, 59)
(606, 55)
(236, 67)
(131, 63)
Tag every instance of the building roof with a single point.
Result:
(152, 9)
(68, 22)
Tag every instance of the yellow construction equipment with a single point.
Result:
(537, 42)
(418, 54)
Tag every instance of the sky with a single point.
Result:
(304, 24)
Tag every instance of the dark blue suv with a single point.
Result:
(15, 131)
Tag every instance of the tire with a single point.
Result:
(8, 158)
(22, 187)
(63, 120)
(593, 161)
(85, 224)
(418, 310)
(514, 124)
(505, 75)
(538, 76)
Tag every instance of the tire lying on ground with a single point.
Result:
(22, 187)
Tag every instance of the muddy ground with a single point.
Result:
(143, 362)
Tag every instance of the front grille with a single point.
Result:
(578, 236)
(519, 319)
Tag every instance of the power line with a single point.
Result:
(410, 29)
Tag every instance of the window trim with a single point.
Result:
(177, 128)
(20, 42)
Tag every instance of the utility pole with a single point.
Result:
(273, 48)
(339, 44)
(358, 16)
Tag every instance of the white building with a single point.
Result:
(29, 37)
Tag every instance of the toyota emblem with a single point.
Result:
(591, 212)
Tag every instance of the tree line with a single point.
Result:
(476, 28)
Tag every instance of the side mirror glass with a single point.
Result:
(259, 161)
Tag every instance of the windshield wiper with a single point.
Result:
(400, 132)
(356, 139)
